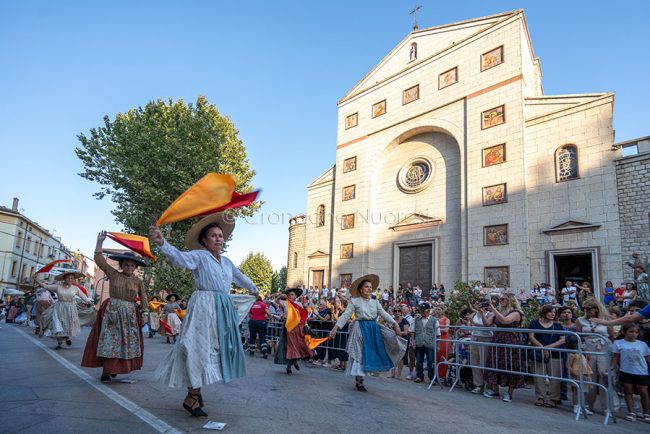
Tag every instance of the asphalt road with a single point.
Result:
(43, 391)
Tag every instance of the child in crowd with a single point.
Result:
(574, 360)
(633, 357)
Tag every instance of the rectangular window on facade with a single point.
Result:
(411, 94)
(41, 250)
(19, 240)
(347, 251)
(493, 117)
(22, 271)
(347, 221)
(492, 58)
(379, 109)
(349, 164)
(448, 78)
(352, 120)
(14, 268)
(345, 280)
(31, 271)
(349, 192)
(28, 244)
(495, 235)
(494, 155)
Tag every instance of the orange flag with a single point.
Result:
(237, 201)
(48, 267)
(155, 305)
(212, 191)
(314, 343)
(134, 242)
(180, 313)
(295, 314)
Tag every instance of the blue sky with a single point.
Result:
(275, 68)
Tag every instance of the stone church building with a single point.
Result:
(452, 163)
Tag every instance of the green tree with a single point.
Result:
(145, 158)
(258, 267)
(279, 282)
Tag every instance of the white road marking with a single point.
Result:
(151, 420)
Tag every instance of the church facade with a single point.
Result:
(452, 164)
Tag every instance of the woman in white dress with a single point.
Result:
(209, 347)
(61, 320)
(371, 347)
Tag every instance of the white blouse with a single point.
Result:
(364, 309)
(209, 274)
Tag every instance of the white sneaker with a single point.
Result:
(576, 410)
(477, 390)
(507, 397)
(490, 394)
(325, 365)
(409, 377)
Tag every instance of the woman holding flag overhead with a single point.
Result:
(292, 346)
(115, 342)
(371, 347)
(61, 320)
(209, 348)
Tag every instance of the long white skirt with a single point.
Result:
(194, 361)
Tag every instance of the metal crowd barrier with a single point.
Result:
(528, 359)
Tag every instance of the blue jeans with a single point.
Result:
(420, 352)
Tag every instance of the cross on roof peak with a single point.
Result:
(414, 12)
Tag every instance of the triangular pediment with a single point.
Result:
(571, 225)
(430, 42)
(327, 176)
(416, 221)
(318, 254)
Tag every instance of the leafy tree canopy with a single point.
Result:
(145, 158)
(258, 267)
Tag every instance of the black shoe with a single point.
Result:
(198, 411)
(360, 387)
(105, 378)
(288, 370)
(295, 364)
(68, 342)
(251, 353)
(265, 356)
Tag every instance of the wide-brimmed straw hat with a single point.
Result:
(298, 291)
(76, 274)
(372, 278)
(128, 256)
(225, 221)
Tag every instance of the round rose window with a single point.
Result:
(415, 175)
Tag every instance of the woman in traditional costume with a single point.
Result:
(209, 347)
(371, 347)
(61, 320)
(171, 317)
(115, 341)
(292, 346)
(154, 315)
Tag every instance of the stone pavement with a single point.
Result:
(40, 394)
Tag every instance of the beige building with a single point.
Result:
(25, 246)
(452, 163)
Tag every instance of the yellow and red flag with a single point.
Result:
(212, 191)
(237, 201)
(48, 267)
(295, 315)
(137, 243)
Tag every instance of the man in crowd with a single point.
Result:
(426, 330)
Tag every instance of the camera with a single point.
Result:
(483, 303)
